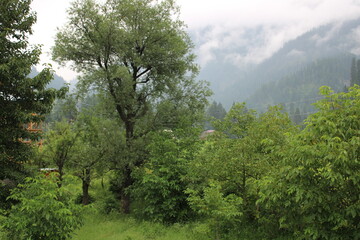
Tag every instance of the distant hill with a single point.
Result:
(331, 46)
(300, 88)
(57, 82)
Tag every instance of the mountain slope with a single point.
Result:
(57, 82)
(300, 89)
(236, 84)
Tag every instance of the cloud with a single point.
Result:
(227, 22)
(356, 35)
(295, 53)
(221, 27)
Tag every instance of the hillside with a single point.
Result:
(300, 89)
(56, 83)
(232, 83)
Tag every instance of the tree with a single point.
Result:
(44, 211)
(58, 146)
(314, 194)
(138, 53)
(216, 110)
(357, 79)
(22, 99)
(97, 144)
(63, 109)
(161, 182)
(353, 72)
(225, 172)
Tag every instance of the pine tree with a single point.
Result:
(354, 72)
(357, 81)
(22, 99)
(297, 118)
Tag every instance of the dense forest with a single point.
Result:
(127, 149)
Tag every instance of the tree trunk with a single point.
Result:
(85, 187)
(125, 197)
(125, 200)
(61, 174)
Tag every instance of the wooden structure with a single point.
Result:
(34, 128)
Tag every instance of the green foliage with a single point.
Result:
(160, 183)
(223, 176)
(97, 145)
(218, 209)
(214, 111)
(58, 146)
(300, 88)
(63, 109)
(115, 227)
(315, 194)
(44, 211)
(20, 95)
(139, 54)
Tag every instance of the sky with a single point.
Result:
(219, 25)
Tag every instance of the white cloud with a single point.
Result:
(356, 35)
(282, 21)
(226, 22)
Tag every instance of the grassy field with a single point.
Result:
(100, 226)
(117, 227)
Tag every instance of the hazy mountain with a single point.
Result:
(57, 82)
(232, 83)
(300, 88)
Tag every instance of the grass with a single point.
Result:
(117, 227)
(100, 226)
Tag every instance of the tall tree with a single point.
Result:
(357, 79)
(20, 95)
(138, 53)
(353, 72)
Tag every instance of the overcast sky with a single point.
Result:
(225, 21)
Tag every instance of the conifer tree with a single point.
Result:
(22, 99)
(354, 72)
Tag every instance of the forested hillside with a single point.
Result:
(57, 82)
(336, 40)
(301, 88)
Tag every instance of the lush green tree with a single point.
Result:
(139, 54)
(63, 109)
(95, 148)
(59, 146)
(161, 182)
(44, 211)
(20, 96)
(216, 110)
(314, 195)
(225, 172)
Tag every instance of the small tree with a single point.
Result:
(44, 211)
(58, 146)
(96, 146)
(161, 182)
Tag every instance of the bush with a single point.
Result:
(44, 211)
(159, 185)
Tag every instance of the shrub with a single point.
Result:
(44, 211)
